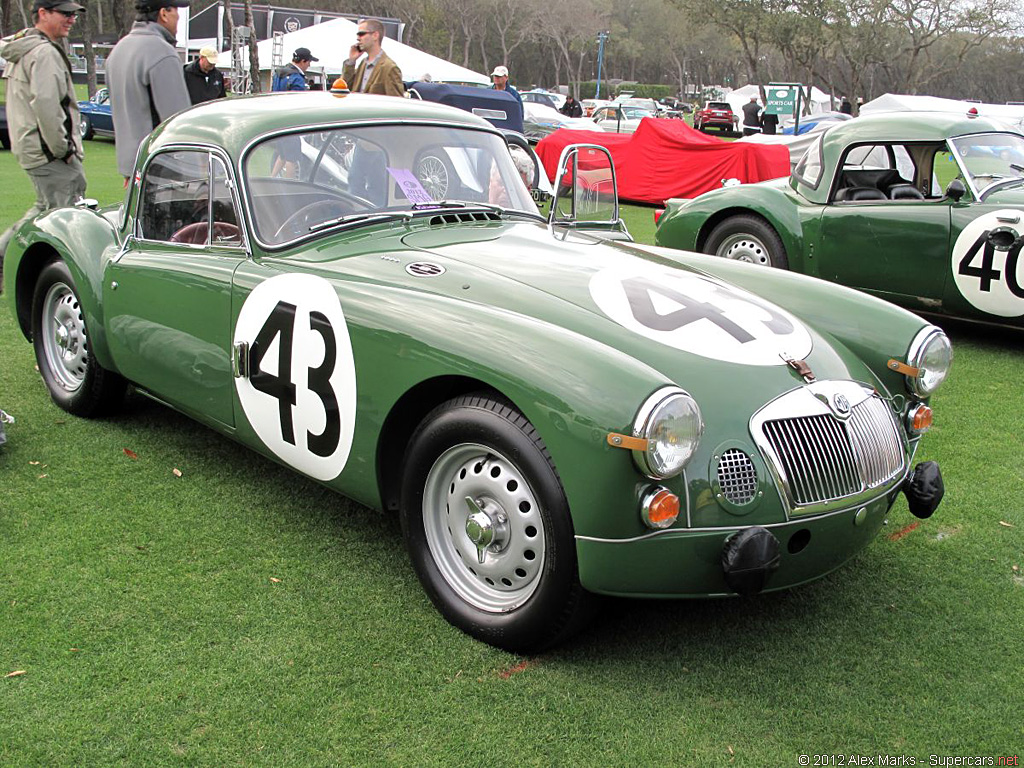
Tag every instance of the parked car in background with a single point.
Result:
(548, 413)
(97, 117)
(540, 121)
(589, 105)
(618, 118)
(536, 97)
(921, 209)
(715, 114)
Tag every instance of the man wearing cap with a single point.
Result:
(377, 73)
(292, 77)
(499, 78)
(202, 78)
(145, 78)
(42, 112)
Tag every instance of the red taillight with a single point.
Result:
(657, 215)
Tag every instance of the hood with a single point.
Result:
(1012, 195)
(15, 47)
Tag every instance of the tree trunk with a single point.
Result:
(229, 23)
(90, 56)
(6, 27)
(254, 57)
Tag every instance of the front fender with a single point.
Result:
(83, 239)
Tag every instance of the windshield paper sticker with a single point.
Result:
(411, 187)
(300, 393)
(986, 263)
(695, 314)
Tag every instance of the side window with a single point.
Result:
(225, 216)
(175, 195)
(808, 170)
(944, 170)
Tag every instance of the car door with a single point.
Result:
(103, 117)
(167, 296)
(894, 248)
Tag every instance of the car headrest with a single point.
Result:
(851, 194)
(905, 192)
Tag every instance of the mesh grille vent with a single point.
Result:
(737, 476)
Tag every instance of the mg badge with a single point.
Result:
(842, 405)
(424, 269)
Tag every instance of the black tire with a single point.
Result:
(526, 595)
(750, 239)
(5, 139)
(86, 128)
(75, 380)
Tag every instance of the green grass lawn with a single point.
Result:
(241, 615)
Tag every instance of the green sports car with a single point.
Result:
(920, 209)
(552, 411)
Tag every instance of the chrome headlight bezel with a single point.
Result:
(924, 344)
(649, 418)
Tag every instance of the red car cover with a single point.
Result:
(668, 158)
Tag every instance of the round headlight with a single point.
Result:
(671, 423)
(931, 353)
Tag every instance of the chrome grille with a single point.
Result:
(824, 458)
(737, 476)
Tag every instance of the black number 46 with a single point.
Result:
(318, 380)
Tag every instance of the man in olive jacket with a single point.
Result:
(377, 73)
(145, 78)
(42, 113)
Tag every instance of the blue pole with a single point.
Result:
(601, 37)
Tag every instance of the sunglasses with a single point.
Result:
(65, 14)
(362, 32)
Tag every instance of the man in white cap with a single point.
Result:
(202, 78)
(42, 110)
(145, 78)
(499, 78)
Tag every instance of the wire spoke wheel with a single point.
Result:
(433, 175)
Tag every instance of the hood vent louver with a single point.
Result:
(463, 218)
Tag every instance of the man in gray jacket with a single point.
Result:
(145, 78)
(42, 113)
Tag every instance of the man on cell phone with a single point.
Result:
(377, 73)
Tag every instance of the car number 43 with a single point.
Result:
(300, 394)
(986, 264)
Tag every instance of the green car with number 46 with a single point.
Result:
(921, 209)
(364, 290)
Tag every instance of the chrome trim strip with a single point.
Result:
(681, 532)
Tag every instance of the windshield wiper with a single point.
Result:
(357, 219)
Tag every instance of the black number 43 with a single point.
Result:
(318, 380)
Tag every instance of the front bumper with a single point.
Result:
(688, 563)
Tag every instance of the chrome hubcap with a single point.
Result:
(745, 247)
(65, 345)
(484, 528)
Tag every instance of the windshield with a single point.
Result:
(991, 158)
(306, 182)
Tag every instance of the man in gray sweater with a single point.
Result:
(145, 78)
(42, 111)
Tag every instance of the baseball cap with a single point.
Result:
(210, 53)
(58, 5)
(156, 5)
(500, 72)
(303, 54)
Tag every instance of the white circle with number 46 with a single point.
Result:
(987, 266)
(300, 392)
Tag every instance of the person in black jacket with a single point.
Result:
(202, 78)
(571, 108)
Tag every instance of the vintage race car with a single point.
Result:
(921, 209)
(552, 411)
(97, 116)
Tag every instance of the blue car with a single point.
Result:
(97, 119)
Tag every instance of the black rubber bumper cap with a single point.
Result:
(749, 558)
(923, 488)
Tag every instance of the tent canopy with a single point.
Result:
(1012, 115)
(820, 101)
(331, 40)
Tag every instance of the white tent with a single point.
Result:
(820, 101)
(331, 40)
(1012, 115)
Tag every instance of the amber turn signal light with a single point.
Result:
(659, 508)
(920, 418)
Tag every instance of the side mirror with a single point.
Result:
(956, 189)
(586, 194)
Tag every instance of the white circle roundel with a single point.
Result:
(699, 315)
(300, 393)
(988, 272)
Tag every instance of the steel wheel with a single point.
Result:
(745, 247)
(432, 173)
(483, 526)
(63, 337)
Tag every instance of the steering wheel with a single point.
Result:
(298, 223)
(195, 234)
